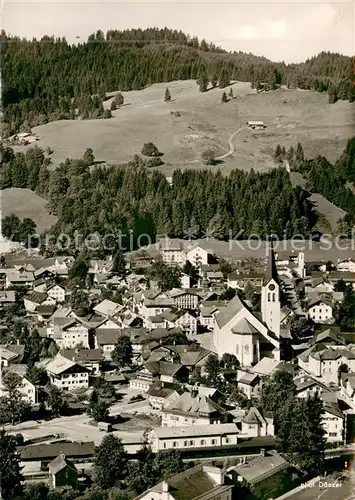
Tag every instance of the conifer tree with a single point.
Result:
(224, 97)
(167, 96)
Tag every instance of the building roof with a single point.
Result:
(82, 355)
(191, 404)
(271, 271)
(163, 367)
(59, 463)
(11, 351)
(244, 327)
(227, 313)
(52, 450)
(7, 296)
(266, 366)
(254, 416)
(195, 430)
(262, 467)
(108, 308)
(60, 364)
(158, 390)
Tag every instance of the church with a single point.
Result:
(248, 335)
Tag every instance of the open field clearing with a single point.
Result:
(290, 116)
(26, 203)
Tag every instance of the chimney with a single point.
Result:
(165, 487)
(262, 452)
(194, 393)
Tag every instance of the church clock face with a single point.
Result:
(271, 287)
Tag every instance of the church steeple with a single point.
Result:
(270, 295)
(271, 271)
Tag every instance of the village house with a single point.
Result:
(333, 422)
(153, 322)
(307, 386)
(201, 482)
(66, 374)
(324, 363)
(181, 318)
(241, 280)
(185, 281)
(173, 254)
(7, 298)
(185, 299)
(347, 265)
(89, 358)
(320, 310)
(69, 333)
(254, 424)
(27, 390)
(198, 256)
(61, 266)
(57, 292)
(262, 475)
(19, 278)
(107, 308)
(248, 383)
(348, 277)
(208, 309)
(166, 372)
(192, 408)
(347, 389)
(161, 395)
(62, 472)
(11, 354)
(36, 299)
(193, 436)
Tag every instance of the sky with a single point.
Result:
(285, 30)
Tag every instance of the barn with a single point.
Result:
(256, 125)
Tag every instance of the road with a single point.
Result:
(222, 157)
(231, 144)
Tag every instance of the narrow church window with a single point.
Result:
(268, 297)
(273, 297)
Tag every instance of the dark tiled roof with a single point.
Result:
(52, 450)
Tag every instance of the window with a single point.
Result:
(174, 444)
(186, 443)
(273, 297)
(228, 440)
(203, 442)
(268, 297)
(213, 441)
(192, 443)
(164, 445)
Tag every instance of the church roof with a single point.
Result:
(271, 271)
(228, 313)
(243, 326)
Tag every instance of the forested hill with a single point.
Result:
(41, 77)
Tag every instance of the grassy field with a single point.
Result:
(25, 203)
(290, 116)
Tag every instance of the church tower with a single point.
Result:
(270, 296)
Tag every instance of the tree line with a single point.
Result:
(49, 79)
(134, 200)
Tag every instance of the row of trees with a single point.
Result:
(56, 78)
(134, 201)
